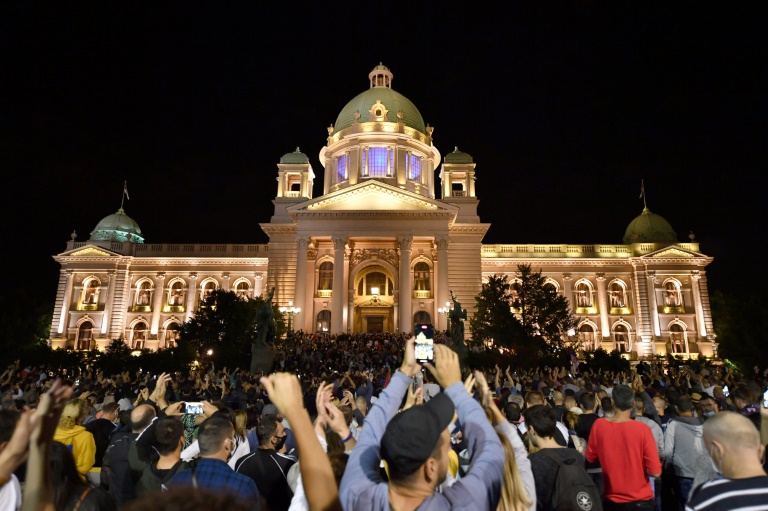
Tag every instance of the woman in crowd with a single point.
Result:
(70, 493)
(75, 437)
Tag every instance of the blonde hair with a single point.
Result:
(241, 420)
(513, 494)
(73, 414)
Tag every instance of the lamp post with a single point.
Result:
(445, 311)
(290, 311)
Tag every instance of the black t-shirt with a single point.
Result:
(545, 472)
(586, 421)
(269, 470)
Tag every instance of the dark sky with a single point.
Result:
(564, 109)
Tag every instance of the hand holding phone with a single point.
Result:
(425, 333)
(193, 408)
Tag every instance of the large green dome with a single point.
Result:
(117, 227)
(649, 228)
(393, 101)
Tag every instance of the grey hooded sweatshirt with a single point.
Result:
(683, 444)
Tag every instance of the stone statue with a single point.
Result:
(457, 316)
(261, 353)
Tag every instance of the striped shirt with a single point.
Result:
(731, 495)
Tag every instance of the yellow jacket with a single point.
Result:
(82, 445)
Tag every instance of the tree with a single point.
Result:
(25, 324)
(494, 319)
(226, 324)
(740, 325)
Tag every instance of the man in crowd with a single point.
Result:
(682, 446)
(735, 447)
(166, 437)
(627, 454)
(658, 437)
(267, 467)
(102, 429)
(415, 444)
(217, 441)
(708, 406)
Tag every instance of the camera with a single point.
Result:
(425, 333)
(193, 408)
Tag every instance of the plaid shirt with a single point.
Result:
(216, 475)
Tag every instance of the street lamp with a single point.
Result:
(290, 311)
(445, 311)
(375, 295)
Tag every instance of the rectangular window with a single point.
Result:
(377, 162)
(414, 168)
(341, 168)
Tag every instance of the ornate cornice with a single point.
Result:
(386, 254)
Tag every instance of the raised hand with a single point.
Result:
(446, 369)
(409, 366)
(284, 390)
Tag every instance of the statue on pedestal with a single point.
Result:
(261, 352)
(457, 316)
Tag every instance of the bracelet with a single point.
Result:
(349, 437)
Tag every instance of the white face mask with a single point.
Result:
(709, 414)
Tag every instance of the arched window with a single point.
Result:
(677, 337)
(208, 288)
(618, 295)
(422, 317)
(325, 276)
(139, 335)
(172, 332)
(324, 321)
(243, 290)
(341, 168)
(84, 336)
(421, 276)
(375, 283)
(414, 168)
(176, 294)
(587, 337)
(144, 294)
(621, 338)
(672, 295)
(583, 294)
(91, 292)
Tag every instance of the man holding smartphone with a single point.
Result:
(415, 444)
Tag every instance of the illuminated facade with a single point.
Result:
(377, 251)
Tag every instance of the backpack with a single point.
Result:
(574, 489)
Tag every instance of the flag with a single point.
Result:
(642, 190)
(125, 190)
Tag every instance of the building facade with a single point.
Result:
(377, 251)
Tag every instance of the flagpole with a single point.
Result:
(642, 193)
(122, 195)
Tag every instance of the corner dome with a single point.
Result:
(649, 228)
(458, 157)
(295, 157)
(380, 92)
(117, 227)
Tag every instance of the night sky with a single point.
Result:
(564, 110)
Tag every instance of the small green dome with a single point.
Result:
(649, 228)
(117, 227)
(392, 100)
(458, 157)
(295, 157)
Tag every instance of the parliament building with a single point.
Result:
(379, 251)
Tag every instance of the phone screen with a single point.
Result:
(194, 408)
(425, 333)
(725, 391)
(765, 398)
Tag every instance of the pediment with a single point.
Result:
(673, 253)
(372, 196)
(89, 251)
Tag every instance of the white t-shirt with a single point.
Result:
(10, 495)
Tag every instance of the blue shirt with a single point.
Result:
(216, 475)
(362, 487)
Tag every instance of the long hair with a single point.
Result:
(65, 478)
(513, 494)
(73, 414)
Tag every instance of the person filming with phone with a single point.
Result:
(415, 443)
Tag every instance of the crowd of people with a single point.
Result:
(356, 423)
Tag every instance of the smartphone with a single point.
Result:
(726, 391)
(193, 408)
(425, 333)
(765, 398)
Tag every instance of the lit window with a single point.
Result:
(341, 168)
(414, 167)
(325, 281)
(617, 295)
(421, 277)
(377, 162)
(621, 336)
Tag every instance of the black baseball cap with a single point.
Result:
(411, 436)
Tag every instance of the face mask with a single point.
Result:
(709, 414)
(280, 442)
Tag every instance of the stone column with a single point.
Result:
(652, 304)
(258, 284)
(337, 295)
(443, 293)
(602, 302)
(300, 298)
(189, 308)
(65, 303)
(157, 303)
(568, 290)
(108, 302)
(701, 326)
(406, 289)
